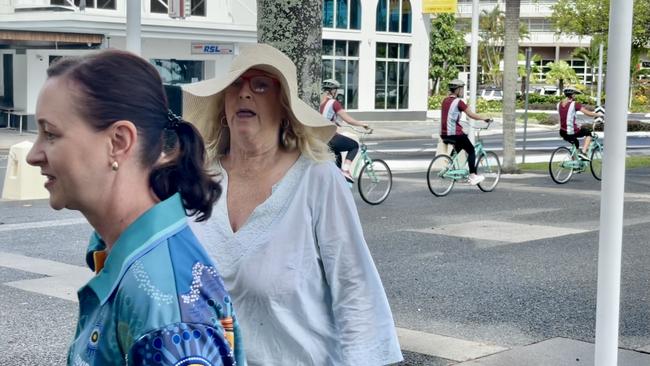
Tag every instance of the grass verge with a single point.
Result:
(631, 162)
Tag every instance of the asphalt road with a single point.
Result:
(509, 268)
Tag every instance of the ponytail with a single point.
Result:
(184, 170)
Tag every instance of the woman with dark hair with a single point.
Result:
(111, 149)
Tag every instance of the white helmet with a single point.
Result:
(330, 84)
(455, 84)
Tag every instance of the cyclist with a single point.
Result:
(451, 130)
(570, 129)
(333, 111)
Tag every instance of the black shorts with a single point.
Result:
(583, 132)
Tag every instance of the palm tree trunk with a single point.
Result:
(294, 27)
(511, 50)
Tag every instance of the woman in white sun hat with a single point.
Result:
(287, 237)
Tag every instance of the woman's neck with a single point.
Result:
(252, 160)
(125, 205)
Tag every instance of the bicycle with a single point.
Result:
(374, 177)
(565, 161)
(444, 170)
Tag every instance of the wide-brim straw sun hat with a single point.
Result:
(199, 99)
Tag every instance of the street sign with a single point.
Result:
(212, 48)
(439, 6)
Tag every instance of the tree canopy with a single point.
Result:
(447, 49)
(590, 18)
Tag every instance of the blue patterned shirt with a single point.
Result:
(156, 300)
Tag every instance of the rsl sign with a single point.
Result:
(439, 6)
(212, 48)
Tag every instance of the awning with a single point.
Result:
(59, 37)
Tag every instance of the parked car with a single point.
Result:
(546, 90)
(492, 94)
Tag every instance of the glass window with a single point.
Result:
(406, 16)
(340, 61)
(353, 49)
(403, 85)
(90, 4)
(355, 14)
(340, 48)
(328, 13)
(197, 7)
(393, 50)
(381, 50)
(392, 76)
(394, 16)
(381, 16)
(179, 71)
(328, 47)
(342, 14)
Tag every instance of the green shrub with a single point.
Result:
(435, 101)
(632, 126)
(483, 106)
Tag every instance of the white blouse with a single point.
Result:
(303, 282)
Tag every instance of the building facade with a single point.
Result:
(542, 38)
(378, 49)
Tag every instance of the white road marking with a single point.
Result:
(508, 232)
(41, 224)
(62, 279)
(454, 349)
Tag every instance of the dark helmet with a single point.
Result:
(455, 84)
(570, 91)
(330, 84)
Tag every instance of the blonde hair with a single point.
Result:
(293, 134)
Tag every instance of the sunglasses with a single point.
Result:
(259, 84)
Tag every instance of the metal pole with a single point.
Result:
(529, 51)
(473, 64)
(612, 195)
(600, 72)
(133, 42)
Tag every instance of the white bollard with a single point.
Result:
(23, 181)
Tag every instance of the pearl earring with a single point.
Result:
(115, 166)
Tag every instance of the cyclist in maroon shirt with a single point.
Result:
(451, 130)
(570, 129)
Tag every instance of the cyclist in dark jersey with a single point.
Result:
(451, 130)
(333, 111)
(570, 129)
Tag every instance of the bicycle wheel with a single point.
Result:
(560, 171)
(375, 181)
(440, 184)
(596, 163)
(488, 165)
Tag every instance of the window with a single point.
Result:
(160, 6)
(341, 62)
(90, 4)
(342, 14)
(392, 76)
(394, 16)
(179, 71)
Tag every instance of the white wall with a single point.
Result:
(20, 87)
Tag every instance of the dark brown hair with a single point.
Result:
(115, 85)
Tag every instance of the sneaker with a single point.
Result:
(475, 179)
(583, 156)
(347, 176)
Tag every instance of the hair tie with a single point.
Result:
(173, 121)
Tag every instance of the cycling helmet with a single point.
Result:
(330, 84)
(570, 90)
(455, 84)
